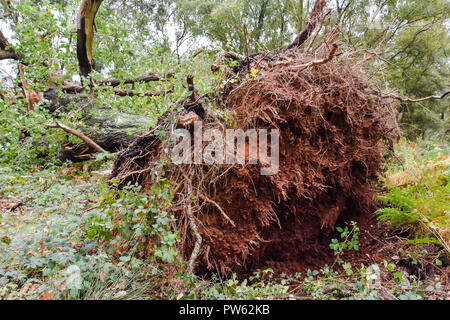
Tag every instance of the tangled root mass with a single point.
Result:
(333, 126)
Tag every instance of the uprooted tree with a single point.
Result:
(334, 126)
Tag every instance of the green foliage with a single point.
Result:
(43, 34)
(415, 48)
(24, 141)
(350, 242)
(258, 286)
(418, 192)
(48, 245)
(127, 218)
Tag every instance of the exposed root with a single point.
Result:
(198, 237)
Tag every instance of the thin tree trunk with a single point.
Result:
(85, 35)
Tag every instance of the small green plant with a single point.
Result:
(258, 286)
(350, 242)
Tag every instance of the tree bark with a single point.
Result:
(7, 51)
(85, 35)
(111, 130)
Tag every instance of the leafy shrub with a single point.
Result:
(128, 219)
(255, 287)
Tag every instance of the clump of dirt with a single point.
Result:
(332, 123)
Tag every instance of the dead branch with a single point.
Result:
(314, 18)
(322, 21)
(78, 134)
(152, 76)
(7, 52)
(131, 93)
(76, 88)
(197, 52)
(16, 205)
(314, 63)
(31, 95)
(71, 87)
(406, 99)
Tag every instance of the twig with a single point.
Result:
(391, 150)
(17, 205)
(80, 135)
(406, 99)
(322, 20)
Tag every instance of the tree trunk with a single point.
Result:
(111, 130)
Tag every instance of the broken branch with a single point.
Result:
(31, 95)
(145, 78)
(75, 88)
(7, 52)
(78, 134)
(322, 20)
(310, 26)
(85, 35)
(130, 93)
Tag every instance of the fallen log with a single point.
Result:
(111, 131)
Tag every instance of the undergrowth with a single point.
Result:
(418, 191)
(66, 234)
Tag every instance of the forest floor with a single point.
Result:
(46, 251)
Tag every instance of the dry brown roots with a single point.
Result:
(333, 124)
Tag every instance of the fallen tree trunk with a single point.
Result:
(111, 130)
